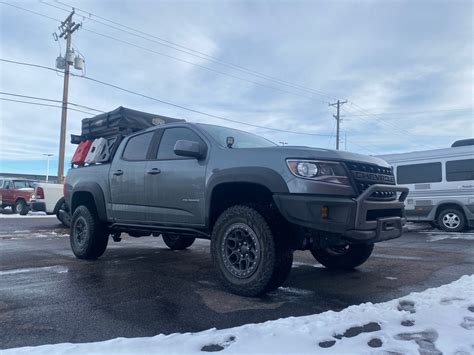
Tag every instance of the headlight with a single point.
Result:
(326, 171)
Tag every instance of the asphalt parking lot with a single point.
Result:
(141, 288)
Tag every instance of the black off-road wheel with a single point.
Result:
(88, 236)
(21, 207)
(177, 242)
(451, 220)
(344, 257)
(249, 252)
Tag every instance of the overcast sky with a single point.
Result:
(404, 66)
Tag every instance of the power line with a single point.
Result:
(166, 102)
(207, 68)
(49, 100)
(198, 65)
(201, 66)
(187, 50)
(405, 135)
(41, 104)
(411, 112)
(176, 58)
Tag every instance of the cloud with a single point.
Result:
(387, 57)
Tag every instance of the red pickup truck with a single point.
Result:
(16, 193)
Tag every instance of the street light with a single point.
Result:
(47, 165)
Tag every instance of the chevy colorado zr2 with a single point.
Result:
(256, 201)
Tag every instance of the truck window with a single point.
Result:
(460, 170)
(419, 173)
(169, 139)
(1, 183)
(137, 147)
(21, 184)
(7, 184)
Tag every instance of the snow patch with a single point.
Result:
(29, 215)
(435, 237)
(55, 268)
(438, 320)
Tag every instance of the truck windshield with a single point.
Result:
(241, 139)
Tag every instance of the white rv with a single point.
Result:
(441, 183)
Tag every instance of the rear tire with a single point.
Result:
(177, 242)
(344, 257)
(88, 235)
(250, 257)
(21, 207)
(451, 220)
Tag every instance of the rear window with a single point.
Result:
(137, 147)
(460, 170)
(419, 173)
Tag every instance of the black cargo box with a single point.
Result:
(121, 121)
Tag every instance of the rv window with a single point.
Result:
(137, 147)
(419, 173)
(460, 170)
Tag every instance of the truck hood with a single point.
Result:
(325, 154)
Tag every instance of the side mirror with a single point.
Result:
(190, 149)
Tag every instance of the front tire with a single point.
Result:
(250, 257)
(451, 220)
(88, 236)
(21, 208)
(177, 242)
(344, 257)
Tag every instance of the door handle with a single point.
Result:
(118, 172)
(154, 171)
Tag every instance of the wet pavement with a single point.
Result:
(141, 288)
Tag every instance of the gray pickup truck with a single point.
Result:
(256, 201)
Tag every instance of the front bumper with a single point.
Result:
(357, 220)
(38, 206)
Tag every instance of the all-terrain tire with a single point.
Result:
(21, 207)
(343, 258)
(88, 236)
(177, 242)
(272, 258)
(451, 220)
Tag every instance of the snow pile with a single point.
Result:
(29, 215)
(438, 320)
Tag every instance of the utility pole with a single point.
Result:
(337, 116)
(67, 28)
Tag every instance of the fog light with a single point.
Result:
(324, 212)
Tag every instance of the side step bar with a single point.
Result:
(158, 229)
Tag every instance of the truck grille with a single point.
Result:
(365, 175)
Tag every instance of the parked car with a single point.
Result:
(16, 193)
(256, 201)
(48, 197)
(441, 183)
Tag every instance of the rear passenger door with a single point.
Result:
(127, 179)
(175, 184)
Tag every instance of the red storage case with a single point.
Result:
(81, 152)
